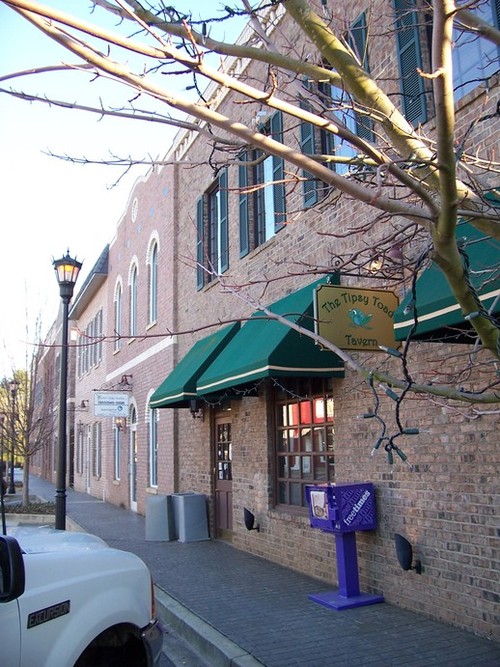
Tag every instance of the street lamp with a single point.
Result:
(67, 270)
(13, 387)
(2, 470)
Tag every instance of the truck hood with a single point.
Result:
(43, 539)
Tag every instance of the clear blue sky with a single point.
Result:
(49, 205)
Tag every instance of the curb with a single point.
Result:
(212, 645)
(14, 520)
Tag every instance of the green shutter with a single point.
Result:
(243, 206)
(223, 226)
(308, 147)
(358, 43)
(200, 245)
(278, 174)
(410, 58)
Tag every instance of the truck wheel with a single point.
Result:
(114, 648)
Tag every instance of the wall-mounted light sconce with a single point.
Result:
(375, 264)
(124, 382)
(396, 253)
(196, 408)
(249, 518)
(121, 423)
(84, 405)
(396, 256)
(404, 552)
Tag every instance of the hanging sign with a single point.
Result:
(355, 319)
(111, 403)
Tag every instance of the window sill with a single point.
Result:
(263, 246)
(290, 513)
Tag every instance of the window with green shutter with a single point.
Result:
(475, 60)
(244, 204)
(262, 213)
(200, 244)
(410, 61)
(212, 227)
(308, 147)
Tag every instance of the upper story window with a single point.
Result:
(90, 345)
(118, 317)
(342, 105)
(337, 103)
(304, 449)
(212, 248)
(153, 284)
(262, 192)
(475, 59)
(409, 33)
(133, 301)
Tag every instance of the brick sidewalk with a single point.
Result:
(260, 611)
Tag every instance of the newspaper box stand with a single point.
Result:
(342, 509)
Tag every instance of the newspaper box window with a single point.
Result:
(342, 509)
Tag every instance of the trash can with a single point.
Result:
(190, 516)
(159, 519)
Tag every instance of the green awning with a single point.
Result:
(266, 348)
(436, 305)
(179, 387)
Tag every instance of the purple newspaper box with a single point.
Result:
(342, 508)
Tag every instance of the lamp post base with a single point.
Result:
(60, 500)
(334, 600)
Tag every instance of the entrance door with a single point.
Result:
(133, 460)
(223, 478)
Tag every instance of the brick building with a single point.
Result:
(248, 412)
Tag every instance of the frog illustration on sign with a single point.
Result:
(359, 318)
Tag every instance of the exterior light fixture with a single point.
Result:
(67, 270)
(249, 518)
(404, 552)
(121, 423)
(196, 409)
(375, 264)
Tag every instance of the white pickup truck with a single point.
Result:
(69, 600)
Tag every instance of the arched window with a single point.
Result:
(118, 316)
(153, 283)
(133, 301)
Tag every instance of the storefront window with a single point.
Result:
(305, 437)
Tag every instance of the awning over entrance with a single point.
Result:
(437, 308)
(266, 348)
(179, 387)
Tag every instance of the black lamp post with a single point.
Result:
(2, 470)
(67, 270)
(2, 464)
(13, 387)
